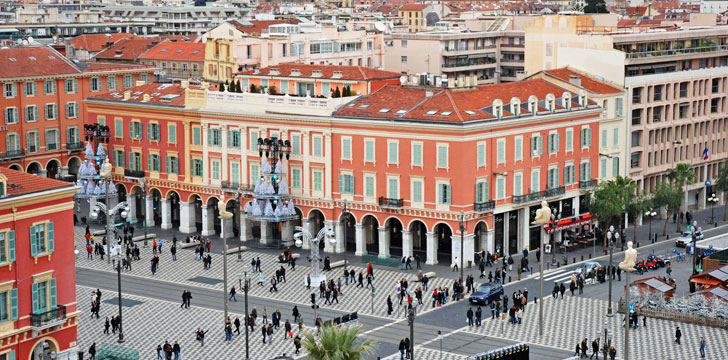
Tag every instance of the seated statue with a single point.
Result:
(543, 215)
(630, 258)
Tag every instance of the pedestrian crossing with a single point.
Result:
(423, 353)
(558, 276)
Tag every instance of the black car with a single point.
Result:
(486, 293)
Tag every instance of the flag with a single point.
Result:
(705, 154)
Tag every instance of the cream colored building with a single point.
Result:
(676, 81)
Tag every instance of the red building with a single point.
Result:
(42, 105)
(38, 312)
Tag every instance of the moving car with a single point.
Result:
(486, 293)
(589, 266)
(684, 240)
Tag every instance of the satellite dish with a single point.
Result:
(30, 39)
(380, 26)
(403, 79)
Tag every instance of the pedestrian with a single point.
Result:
(555, 291)
(261, 279)
(408, 348)
(584, 348)
(257, 263)
(106, 326)
(702, 346)
(644, 320)
(417, 262)
(612, 352)
(159, 246)
(252, 265)
(176, 349)
(237, 325)
(228, 331)
(402, 348)
(287, 328)
(562, 290)
(455, 264)
(595, 348)
(678, 335)
(92, 348)
(478, 316)
(578, 350)
(469, 314)
(232, 294)
(492, 310)
(270, 334)
(173, 250)
(297, 343)
(272, 285)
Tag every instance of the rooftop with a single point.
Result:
(176, 51)
(97, 42)
(95, 66)
(21, 183)
(412, 7)
(160, 94)
(29, 61)
(588, 83)
(126, 49)
(455, 105)
(323, 72)
(257, 26)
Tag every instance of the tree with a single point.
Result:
(721, 184)
(609, 201)
(595, 7)
(237, 86)
(668, 196)
(681, 175)
(337, 93)
(272, 90)
(253, 88)
(638, 205)
(346, 92)
(337, 343)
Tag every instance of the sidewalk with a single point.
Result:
(443, 269)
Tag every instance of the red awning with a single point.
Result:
(569, 223)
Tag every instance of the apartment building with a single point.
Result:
(292, 43)
(176, 20)
(394, 156)
(491, 56)
(177, 59)
(42, 104)
(38, 282)
(675, 80)
(413, 16)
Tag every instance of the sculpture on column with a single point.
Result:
(543, 215)
(630, 258)
(303, 236)
(224, 214)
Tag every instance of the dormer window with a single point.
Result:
(582, 98)
(3, 184)
(274, 72)
(532, 103)
(550, 102)
(516, 106)
(337, 75)
(317, 73)
(498, 108)
(566, 100)
(295, 72)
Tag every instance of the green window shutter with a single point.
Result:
(52, 291)
(33, 244)
(540, 145)
(209, 137)
(173, 133)
(51, 239)
(615, 137)
(132, 134)
(13, 304)
(150, 134)
(166, 164)
(478, 192)
(569, 140)
(589, 136)
(517, 186)
(119, 128)
(615, 166)
(604, 138)
(157, 132)
(11, 245)
(448, 199)
(35, 297)
(418, 154)
(149, 162)
(341, 184)
(229, 136)
(558, 140)
(486, 191)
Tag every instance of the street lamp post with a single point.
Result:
(650, 214)
(611, 233)
(344, 211)
(245, 290)
(463, 221)
(555, 217)
(118, 279)
(411, 320)
(238, 196)
(606, 346)
(440, 337)
(713, 200)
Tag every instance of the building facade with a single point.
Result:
(178, 60)
(391, 156)
(42, 104)
(38, 284)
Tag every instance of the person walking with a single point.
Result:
(578, 350)
(562, 290)
(173, 250)
(595, 349)
(455, 265)
(237, 325)
(287, 328)
(402, 349)
(176, 349)
(232, 294)
(612, 352)
(469, 314)
(92, 351)
(106, 326)
(678, 335)
(297, 343)
(478, 316)
(584, 348)
(702, 346)
(407, 348)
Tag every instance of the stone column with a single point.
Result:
(265, 232)
(340, 246)
(383, 242)
(431, 249)
(308, 225)
(407, 243)
(361, 242)
(166, 214)
(468, 248)
(246, 228)
(332, 225)
(226, 228)
(187, 218)
(287, 234)
(208, 225)
(149, 211)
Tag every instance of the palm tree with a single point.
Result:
(337, 343)
(681, 176)
(721, 184)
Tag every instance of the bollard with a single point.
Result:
(574, 260)
(582, 258)
(589, 256)
(531, 270)
(558, 265)
(509, 278)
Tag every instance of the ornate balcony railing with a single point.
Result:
(538, 195)
(134, 173)
(74, 146)
(390, 203)
(232, 185)
(485, 206)
(49, 318)
(587, 184)
(12, 154)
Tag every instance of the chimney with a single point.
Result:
(108, 44)
(127, 95)
(451, 82)
(139, 83)
(184, 84)
(575, 80)
(145, 98)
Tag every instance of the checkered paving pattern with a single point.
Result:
(568, 320)
(294, 290)
(429, 354)
(154, 321)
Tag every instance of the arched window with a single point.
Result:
(516, 106)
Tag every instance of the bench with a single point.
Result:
(430, 275)
(337, 264)
(296, 255)
(235, 250)
(184, 245)
(98, 232)
(141, 237)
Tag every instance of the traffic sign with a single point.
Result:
(708, 183)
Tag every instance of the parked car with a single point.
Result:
(656, 261)
(486, 293)
(684, 240)
(589, 266)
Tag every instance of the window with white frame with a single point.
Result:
(393, 187)
(318, 180)
(480, 151)
(482, 191)
(553, 178)
(33, 141)
(52, 139)
(346, 148)
(569, 139)
(346, 184)
(569, 174)
(71, 110)
(444, 196)
(500, 188)
(370, 186)
(417, 154)
(418, 190)
(442, 156)
(215, 167)
(11, 115)
(153, 131)
(128, 81)
(518, 184)
(95, 84)
(30, 88)
(501, 151)
(10, 90)
(49, 87)
(553, 143)
(535, 180)
(536, 145)
(112, 83)
(51, 111)
(392, 152)
(585, 171)
(518, 150)
(586, 140)
(31, 113)
(369, 150)
(296, 177)
(71, 86)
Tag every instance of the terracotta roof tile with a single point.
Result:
(178, 51)
(449, 105)
(97, 42)
(327, 72)
(96, 66)
(412, 7)
(33, 61)
(22, 183)
(587, 83)
(160, 94)
(126, 49)
(259, 25)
